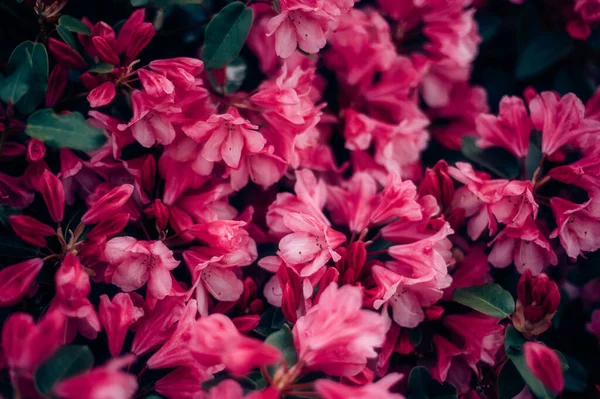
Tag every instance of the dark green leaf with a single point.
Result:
(13, 248)
(102, 67)
(534, 155)
(74, 25)
(15, 86)
(29, 61)
(510, 382)
(528, 25)
(415, 336)
(66, 362)
(166, 3)
(422, 386)
(513, 346)
(488, 24)
(284, 341)
(67, 37)
(490, 299)
(576, 376)
(226, 34)
(5, 212)
(140, 3)
(542, 52)
(496, 160)
(69, 130)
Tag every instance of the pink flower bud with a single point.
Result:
(105, 51)
(36, 150)
(108, 204)
(16, 280)
(140, 39)
(57, 81)
(102, 95)
(53, 194)
(149, 174)
(109, 227)
(245, 324)
(160, 212)
(437, 182)
(545, 365)
(65, 55)
(128, 29)
(155, 84)
(537, 302)
(30, 230)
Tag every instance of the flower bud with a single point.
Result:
(65, 55)
(537, 302)
(57, 82)
(105, 51)
(438, 183)
(108, 204)
(545, 365)
(36, 150)
(30, 230)
(53, 193)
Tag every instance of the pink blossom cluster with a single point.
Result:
(207, 215)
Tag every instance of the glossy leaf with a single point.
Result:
(226, 34)
(74, 25)
(490, 299)
(422, 386)
(510, 382)
(67, 37)
(284, 341)
(542, 52)
(68, 130)
(67, 361)
(496, 160)
(513, 347)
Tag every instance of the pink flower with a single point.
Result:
(149, 124)
(117, 316)
(25, 345)
(510, 130)
(157, 324)
(584, 173)
(13, 191)
(578, 225)
(593, 327)
(527, 247)
(226, 137)
(301, 24)
(17, 280)
(513, 203)
(72, 290)
(104, 382)
(311, 244)
(336, 336)
(561, 120)
(176, 350)
(183, 383)
(137, 262)
(545, 365)
(333, 390)
(482, 337)
(216, 341)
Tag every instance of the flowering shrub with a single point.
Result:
(299, 199)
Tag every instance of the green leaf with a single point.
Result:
(510, 382)
(422, 386)
(226, 34)
(69, 360)
(74, 25)
(415, 336)
(67, 37)
(102, 67)
(489, 25)
(534, 155)
(68, 130)
(14, 248)
(490, 299)
(29, 62)
(576, 376)
(284, 341)
(513, 346)
(15, 86)
(5, 212)
(496, 160)
(140, 3)
(542, 52)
